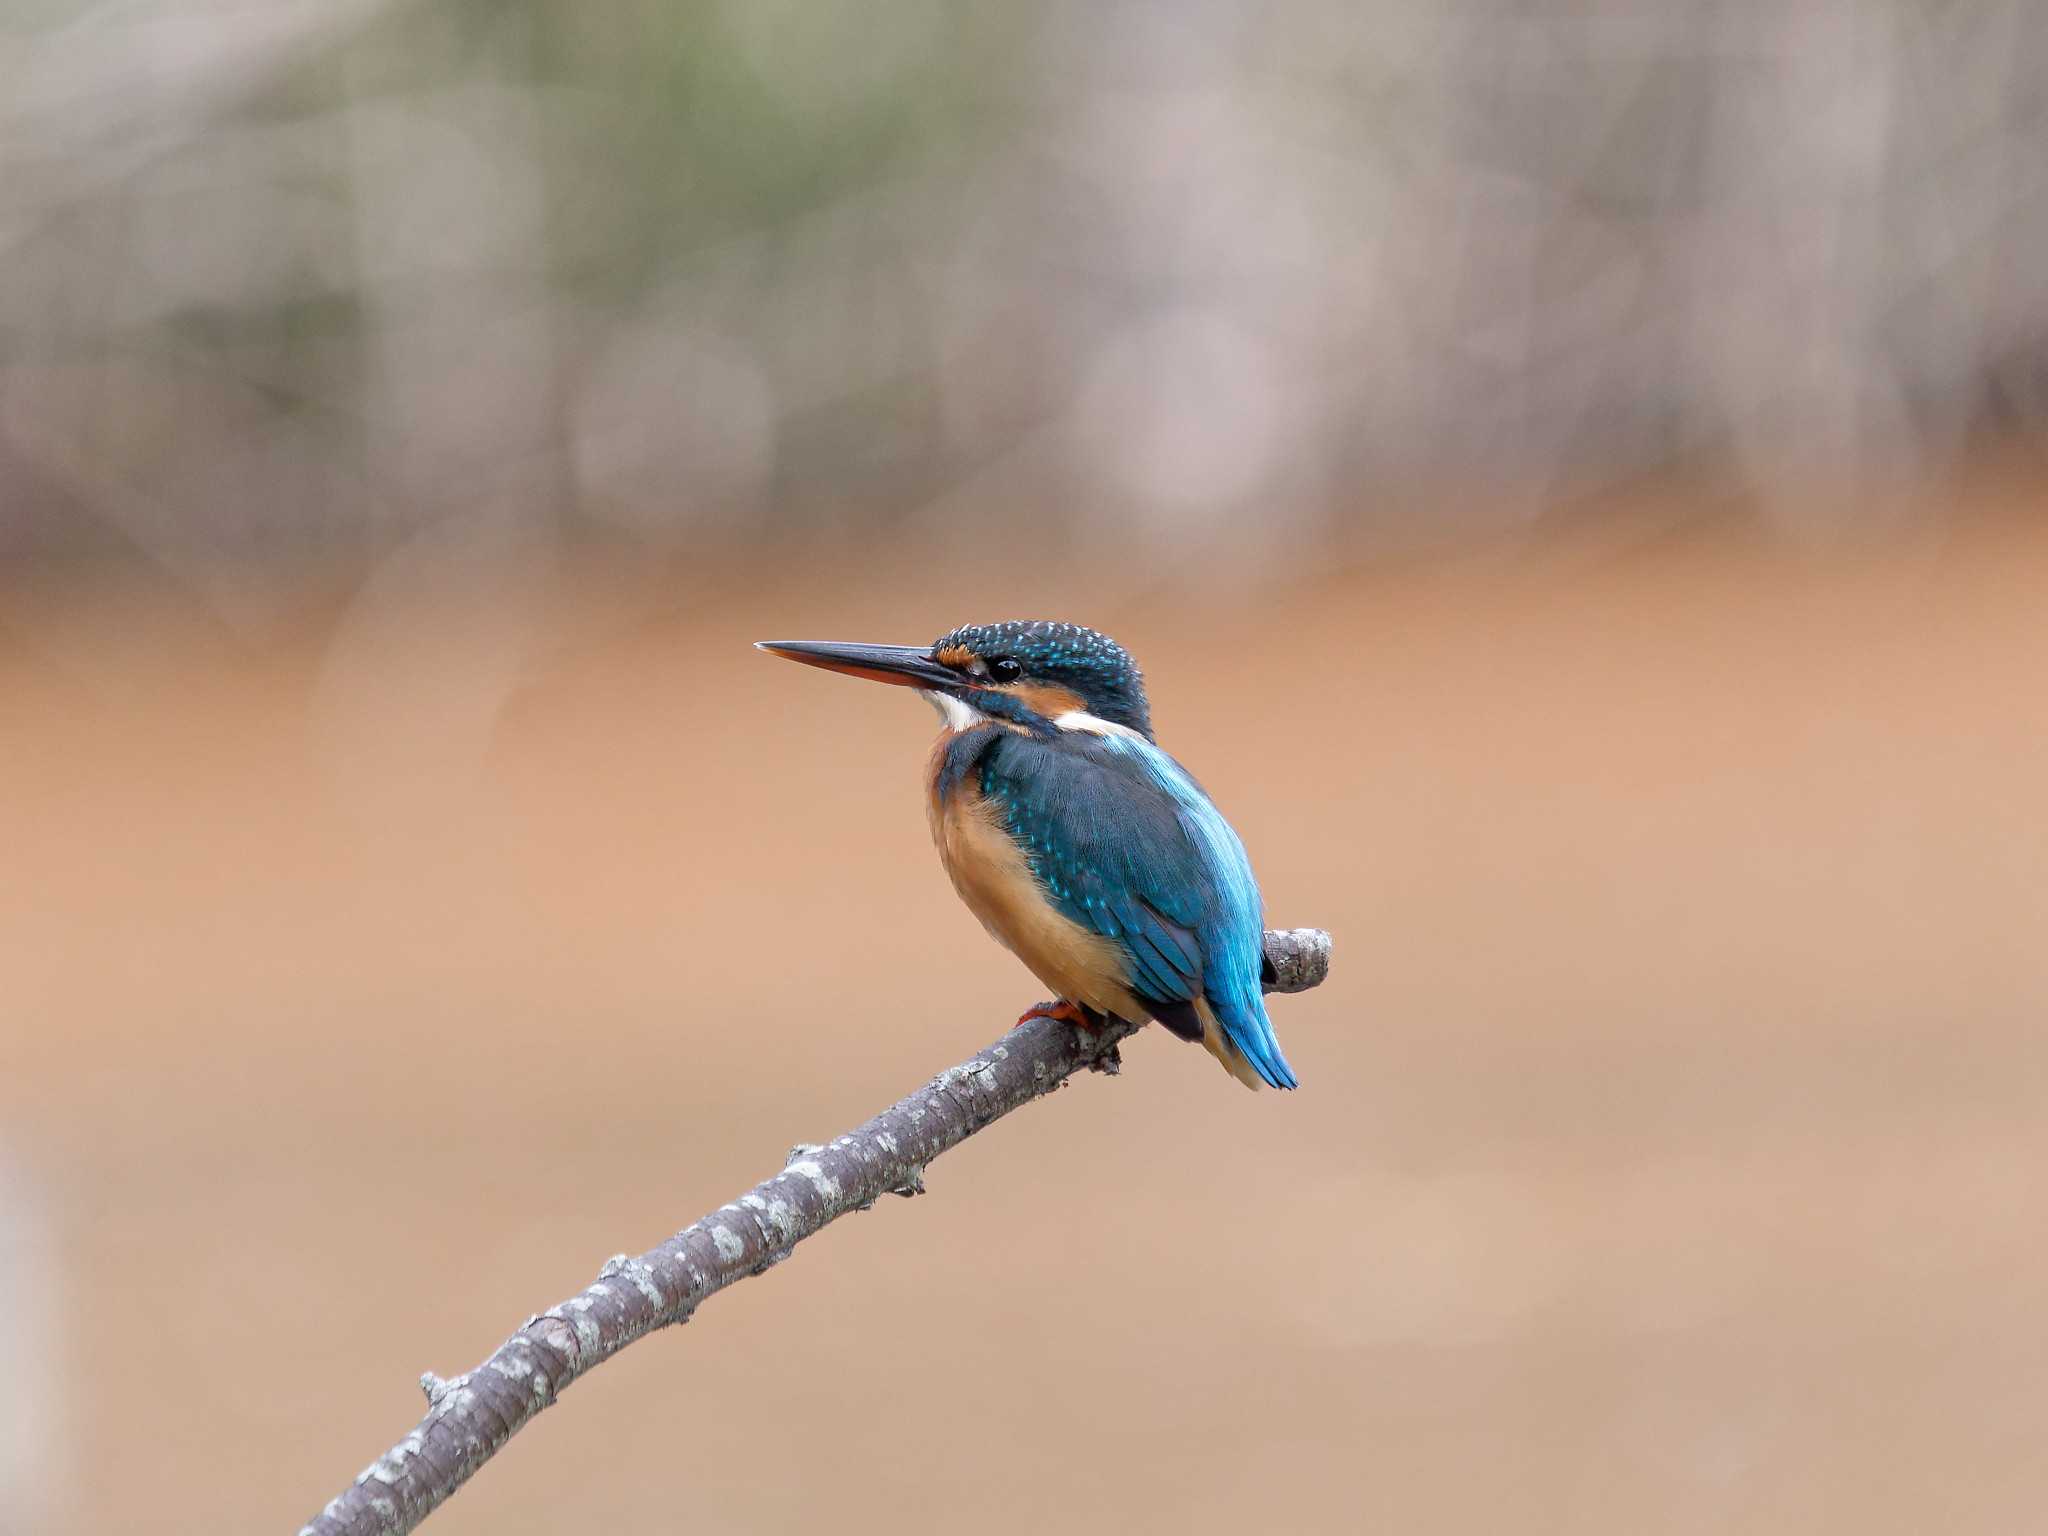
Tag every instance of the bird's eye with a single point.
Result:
(1005, 669)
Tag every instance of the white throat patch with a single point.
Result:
(955, 714)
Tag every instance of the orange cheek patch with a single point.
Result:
(954, 656)
(1048, 699)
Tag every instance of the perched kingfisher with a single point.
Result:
(1083, 848)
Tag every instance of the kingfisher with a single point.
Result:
(1078, 842)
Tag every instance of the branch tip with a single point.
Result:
(1296, 959)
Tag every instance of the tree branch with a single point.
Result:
(469, 1418)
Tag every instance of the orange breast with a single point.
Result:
(992, 876)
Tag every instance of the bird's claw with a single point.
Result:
(1055, 1008)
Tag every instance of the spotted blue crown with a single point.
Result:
(1072, 655)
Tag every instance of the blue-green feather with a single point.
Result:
(1126, 843)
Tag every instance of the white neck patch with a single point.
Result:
(1081, 720)
(955, 714)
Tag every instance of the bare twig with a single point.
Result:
(471, 1416)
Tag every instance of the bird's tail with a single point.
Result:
(1238, 1034)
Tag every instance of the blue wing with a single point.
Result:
(1127, 844)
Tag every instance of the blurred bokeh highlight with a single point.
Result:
(1574, 475)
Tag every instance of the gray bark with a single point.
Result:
(470, 1417)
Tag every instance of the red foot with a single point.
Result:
(1072, 1013)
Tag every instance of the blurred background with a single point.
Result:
(1575, 476)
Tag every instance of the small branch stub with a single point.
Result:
(912, 1185)
(470, 1417)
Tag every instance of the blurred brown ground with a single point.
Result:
(1670, 1156)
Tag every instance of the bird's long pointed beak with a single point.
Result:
(909, 665)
